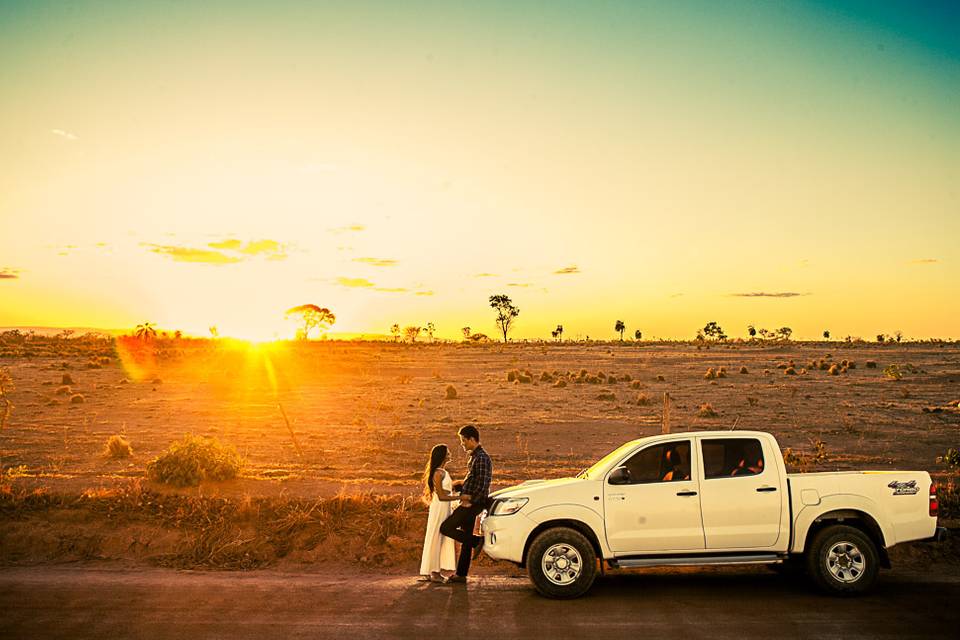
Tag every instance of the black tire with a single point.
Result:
(551, 543)
(853, 571)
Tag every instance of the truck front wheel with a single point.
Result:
(561, 563)
(842, 560)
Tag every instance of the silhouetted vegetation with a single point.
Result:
(506, 313)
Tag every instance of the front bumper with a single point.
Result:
(506, 536)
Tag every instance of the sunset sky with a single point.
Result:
(667, 164)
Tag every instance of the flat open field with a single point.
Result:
(366, 414)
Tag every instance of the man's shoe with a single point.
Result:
(455, 580)
(478, 549)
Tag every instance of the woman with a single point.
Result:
(439, 561)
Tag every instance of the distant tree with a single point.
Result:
(638, 335)
(177, 334)
(785, 332)
(765, 334)
(395, 332)
(430, 329)
(898, 335)
(506, 313)
(619, 327)
(713, 331)
(411, 333)
(312, 317)
(214, 332)
(557, 333)
(751, 331)
(145, 331)
(826, 334)
(879, 337)
(466, 333)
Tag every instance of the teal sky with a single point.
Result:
(409, 159)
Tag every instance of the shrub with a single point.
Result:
(753, 401)
(607, 396)
(592, 380)
(524, 378)
(77, 398)
(851, 364)
(782, 365)
(642, 399)
(893, 372)
(790, 371)
(546, 377)
(871, 364)
(706, 410)
(636, 384)
(722, 372)
(951, 458)
(451, 392)
(743, 370)
(67, 379)
(834, 370)
(192, 459)
(626, 377)
(660, 378)
(118, 447)
(559, 384)
(710, 374)
(65, 390)
(512, 375)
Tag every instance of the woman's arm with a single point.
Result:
(442, 494)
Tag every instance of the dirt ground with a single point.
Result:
(80, 602)
(365, 415)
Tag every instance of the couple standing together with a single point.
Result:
(446, 524)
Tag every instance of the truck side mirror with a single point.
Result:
(620, 475)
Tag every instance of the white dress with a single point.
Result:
(438, 549)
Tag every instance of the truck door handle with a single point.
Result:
(618, 496)
(686, 493)
(766, 489)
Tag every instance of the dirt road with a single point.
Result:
(78, 602)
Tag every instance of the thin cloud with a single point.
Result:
(424, 293)
(354, 228)
(767, 294)
(63, 134)
(9, 274)
(272, 249)
(377, 262)
(354, 283)
(484, 275)
(392, 289)
(190, 254)
(521, 285)
(230, 243)
(925, 261)
(676, 295)
(568, 270)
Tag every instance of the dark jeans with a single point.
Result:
(459, 526)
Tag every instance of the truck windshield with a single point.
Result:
(590, 474)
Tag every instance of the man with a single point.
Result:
(474, 490)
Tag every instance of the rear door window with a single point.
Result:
(732, 457)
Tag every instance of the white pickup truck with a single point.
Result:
(708, 498)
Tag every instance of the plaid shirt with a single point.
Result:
(477, 483)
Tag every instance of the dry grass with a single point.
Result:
(190, 531)
(451, 393)
(192, 459)
(118, 448)
(706, 410)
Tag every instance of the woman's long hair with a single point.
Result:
(437, 455)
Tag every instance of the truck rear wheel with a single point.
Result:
(561, 563)
(842, 560)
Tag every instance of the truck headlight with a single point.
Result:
(508, 506)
